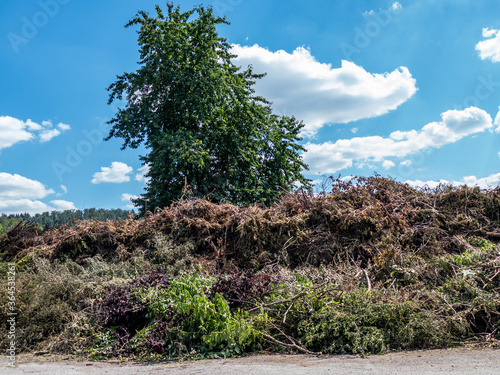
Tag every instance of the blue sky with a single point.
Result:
(408, 89)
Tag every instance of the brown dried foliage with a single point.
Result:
(365, 221)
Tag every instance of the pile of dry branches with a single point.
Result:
(365, 221)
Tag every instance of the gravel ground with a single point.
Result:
(451, 361)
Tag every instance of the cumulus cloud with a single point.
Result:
(16, 206)
(63, 127)
(32, 207)
(62, 205)
(489, 48)
(13, 131)
(388, 164)
(49, 132)
(128, 198)
(318, 94)
(14, 186)
(497, 121)
(117, 173)
(331, 157)
(489, 182)
(19, 194)
(141, 176)
(431, 184)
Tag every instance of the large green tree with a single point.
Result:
(199, 118)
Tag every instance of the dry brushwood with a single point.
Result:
(363, 221)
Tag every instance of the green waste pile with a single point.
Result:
(371, 266)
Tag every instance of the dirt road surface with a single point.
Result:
(452, 361)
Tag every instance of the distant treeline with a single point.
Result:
(57, 218)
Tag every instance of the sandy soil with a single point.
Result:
(450, 361)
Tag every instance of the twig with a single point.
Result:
(302, 349)
(367, 280)
(492, 277)
(445, 301)
(285, 246)
(291, 299)
(287, 310)
(293, 341)
(433, 208)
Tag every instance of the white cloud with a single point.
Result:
(49, 132)
(127, 198)
(64, 188)
(14, 186)
(33, 125)
(61, 205)
(318, 94)
(331, 157)
(13, 131)
(489, 48)
(32, 207)
(141, 176)
(21, 206)
(387, 164)
(316, 182)
(63, 127)
(117, 173)
(405, 162)
(497, 121)
(19, 194)
(396, 6)
(431, 184)
(491, 181)
(354, 130)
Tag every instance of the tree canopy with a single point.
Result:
(58, 218)
(204, 129)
